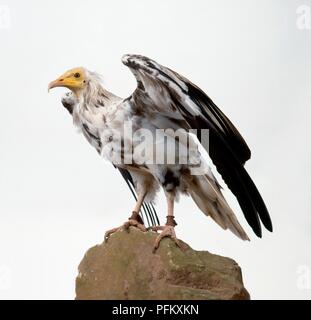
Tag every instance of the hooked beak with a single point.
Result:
(57, 83)
(72, 79)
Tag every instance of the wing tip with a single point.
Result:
(129, 58)
(269, 227)
(125, 58)
(265, 218)
(258, 231)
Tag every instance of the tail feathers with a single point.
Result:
(208, 197)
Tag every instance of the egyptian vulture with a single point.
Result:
(138, 135)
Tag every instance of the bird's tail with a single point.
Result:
(207, 195)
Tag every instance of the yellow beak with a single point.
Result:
(63, 81)
(53, 84)
(72, 79)
(56, 83)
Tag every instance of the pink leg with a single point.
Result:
(169, 229)
(134, 220)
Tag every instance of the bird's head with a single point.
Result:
(74, 79)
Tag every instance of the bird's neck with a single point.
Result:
(95, 96)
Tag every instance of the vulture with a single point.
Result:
(163, 136)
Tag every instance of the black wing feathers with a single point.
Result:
(229, 152)
(227, 148)
(234, 138)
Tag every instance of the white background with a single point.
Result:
(57, 197)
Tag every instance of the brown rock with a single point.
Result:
(126, 268)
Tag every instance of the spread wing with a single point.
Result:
(169, 98)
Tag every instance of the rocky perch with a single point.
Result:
(126, 268)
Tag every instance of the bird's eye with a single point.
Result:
(77, 75)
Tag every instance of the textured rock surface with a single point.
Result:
(126, 268)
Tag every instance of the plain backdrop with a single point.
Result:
(57, 196)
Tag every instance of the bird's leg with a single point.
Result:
(134, 220)
(167, 230)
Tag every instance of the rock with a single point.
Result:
(126, 268)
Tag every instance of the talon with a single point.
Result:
(156, 228)
(109, 233)
(167, 231)
(134, 223)
(126, 226)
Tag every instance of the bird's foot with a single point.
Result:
(135, 221)
(167, 231)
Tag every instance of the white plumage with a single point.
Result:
(136, 134)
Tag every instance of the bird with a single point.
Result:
(156, 138)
